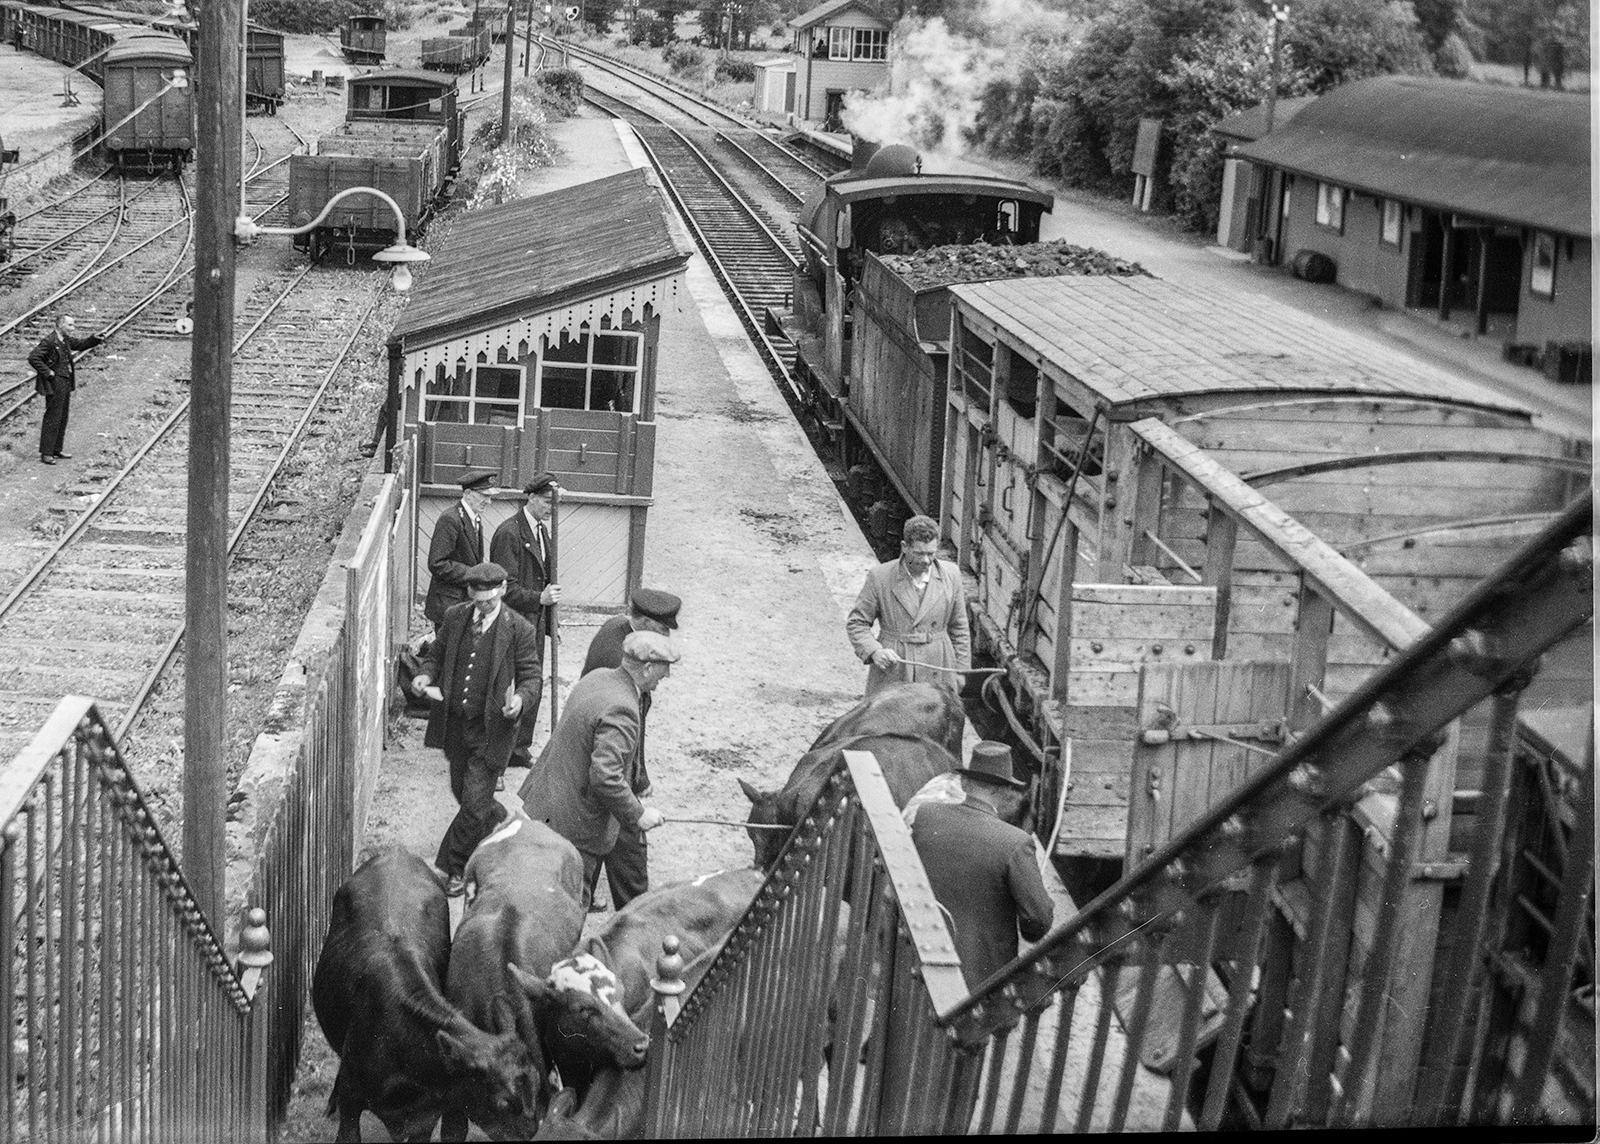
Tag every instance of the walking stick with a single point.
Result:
(555, 626)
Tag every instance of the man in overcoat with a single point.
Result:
(921, 611)
(649, 610)
(54, 379)
(580, 786)
(486, 662)
(457, 545)
(983, 871)
(521, 546)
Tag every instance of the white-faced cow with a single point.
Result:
(524, 907)
(406, 1052)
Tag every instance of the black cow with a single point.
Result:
(525, 889)
(902, 709)
(405, 1052)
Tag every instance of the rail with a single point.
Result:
(1166, 973)
(123, 1018)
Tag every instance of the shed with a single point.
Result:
(1235, 223)
(839, 47)
(530, 345)
(775, 86)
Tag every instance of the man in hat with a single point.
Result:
(457, 545)
(921, 612)
(982, 870)
(580, 783)
(521, 546)
(54, 378)
(649, 610)
(486, 661)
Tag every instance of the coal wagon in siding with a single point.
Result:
(402, 135)
(364, 39)
(149, 102)
(462, 50)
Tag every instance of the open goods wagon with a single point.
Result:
(364, 39)
(462, 50)
(263, 69)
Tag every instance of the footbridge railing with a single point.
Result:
(797, 1029)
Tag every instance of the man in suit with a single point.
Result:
(628, 864)
(54, 379)
(521, 546)
(983, 871)
(486, 661)
(580, 783)
(921, 611)
(457, 546)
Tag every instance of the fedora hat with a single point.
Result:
(991, 762)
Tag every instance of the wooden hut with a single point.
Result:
(530, 345)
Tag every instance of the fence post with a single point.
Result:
(668, 986)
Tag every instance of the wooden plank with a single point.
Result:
(1145, 595)
(1343, 439)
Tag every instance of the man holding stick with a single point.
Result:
(921, 611)
(524, 546)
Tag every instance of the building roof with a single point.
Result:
(1508, 154)
(510, 262)
(1251, 123)
(822, 12)
(1140, 345)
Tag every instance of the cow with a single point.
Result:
(612, 969)
(405, 1052)
(524, 906)
(902, 709)
(908, 761)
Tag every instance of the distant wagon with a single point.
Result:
(263, 70)
(462, 50)
(150, 119)
(364, 39)
(539, 352)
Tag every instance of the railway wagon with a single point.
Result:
(403, 135)
(1186, 535)
(263, 69)
(364, 39)
(462, 50)
(150, 120)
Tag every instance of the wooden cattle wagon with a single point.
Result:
(137, 78)
(530, 345)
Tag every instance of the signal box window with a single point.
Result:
(871, 44)
(839, 43)
(479, 395)
(597, 371)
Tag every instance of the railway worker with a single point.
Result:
(921, 612)
(457, 546)
(983, 871)
(580, 783)
(54, 378)
(521, 546)
(627, 866)
(486, 661)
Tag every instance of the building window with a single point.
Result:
(1330, 206)
(1393, 213)
(598, 371)
(477, 395)
(871, 44)
(839, 41)
(1542, 273)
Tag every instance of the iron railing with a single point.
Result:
(122, 1018)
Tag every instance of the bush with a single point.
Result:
(733, 70)
(1454, 58)
(561, 90)
(684, 59)
(305, 16)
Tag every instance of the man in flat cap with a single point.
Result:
(649, 610)
(486, 662)
(457, 545)
(983, 871)
(521, 546)
(580, 783)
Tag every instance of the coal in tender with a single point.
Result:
(943, 265)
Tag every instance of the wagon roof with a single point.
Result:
(1489, 150)
(510, 262)
(415, 76)
(1139, 344)
(850, 190)
(147, 45)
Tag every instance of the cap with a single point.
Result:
(649, 647)
(485, 575)
(539, 483)
(653, 604)
(991, 761)
(477, 479)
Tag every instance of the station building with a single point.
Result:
(1467, 201)
(531, 345)
(838, 47)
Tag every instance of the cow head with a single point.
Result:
(580, 1012)
(764, 812)
(500, 1078)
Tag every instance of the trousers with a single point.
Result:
(627, 867)
(53, 429)
(472, 780)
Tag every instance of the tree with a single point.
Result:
(1550, 35)
(1338, 41)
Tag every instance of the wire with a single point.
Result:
(98, 139)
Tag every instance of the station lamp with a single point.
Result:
(400, 255)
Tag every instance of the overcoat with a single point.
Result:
(580, 783)
(605, 650)
(456, 546)
(930, 626)
(516, 549)
(983, 871)
(51, 361)
(513, 663)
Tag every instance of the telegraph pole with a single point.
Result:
(527, 41)
(505, 93)
(219, 111)
(1280, 16)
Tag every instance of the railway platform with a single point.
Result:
(36, 121)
